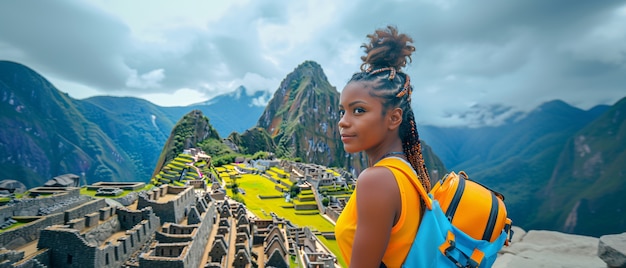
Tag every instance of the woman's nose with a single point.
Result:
(342, 123)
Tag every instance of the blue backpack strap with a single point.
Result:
(438, 243)
(459, 258)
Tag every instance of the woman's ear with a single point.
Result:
(395, 118)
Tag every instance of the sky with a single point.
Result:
(476, 62)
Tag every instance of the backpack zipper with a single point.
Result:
(493, 214)
(455, 199)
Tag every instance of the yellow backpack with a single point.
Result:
(464, 223)
(460, 198)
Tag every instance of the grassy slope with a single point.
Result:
(255, 185)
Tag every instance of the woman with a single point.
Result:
(379, 222)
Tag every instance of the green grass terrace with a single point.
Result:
(92, 193)
(262, 198)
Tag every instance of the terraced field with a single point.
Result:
(261, 198)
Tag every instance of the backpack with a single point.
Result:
(464, 223)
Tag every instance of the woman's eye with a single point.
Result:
(341, 113)
(358, 110)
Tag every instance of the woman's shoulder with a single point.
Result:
(377, 178)
(375, 173)
(398, 163)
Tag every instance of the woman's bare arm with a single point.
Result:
(378, 199)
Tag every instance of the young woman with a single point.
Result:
(379, 222)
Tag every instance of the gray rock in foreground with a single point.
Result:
(612, 250)
(549, 249)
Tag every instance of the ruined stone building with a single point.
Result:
(182, 243)
(94, 234)
(89, 234)
(166, 226)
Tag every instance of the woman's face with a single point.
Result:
(362, 125)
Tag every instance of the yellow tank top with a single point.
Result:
(402, 233)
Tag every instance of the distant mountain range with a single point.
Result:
(235, 111)
(560, 168)
(554, 165)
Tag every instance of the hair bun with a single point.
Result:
(387, 48)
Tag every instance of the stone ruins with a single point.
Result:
(165, 226)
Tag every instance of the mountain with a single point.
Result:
(136, 125)
(585, 192)
(234, 111)
(191, 130)
(45, 135)
(477, 147)
(302, 118)
(134, 131)
(517, 158)
(559, 167)
(253, 140)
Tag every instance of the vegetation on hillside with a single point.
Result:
(44, 134)
(253, 140)
(190, 130)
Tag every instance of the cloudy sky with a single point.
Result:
(472, 58)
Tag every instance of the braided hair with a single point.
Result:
(386, 54)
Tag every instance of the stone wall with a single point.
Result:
(30, 206)
(317, 259)
(171, 250)
(191, 255)
(202, 238)
(84, 209)
(40, 259)
(69, 249)
(332, 214)
(162, 262)
(305, 206)
(176, 189)
(129, 218)
(10, 256)
(174, 210)
(132, 186)
(197, 184)
(280, 189)
(103, 231)
(174, 233)
(128, 199)
(29, 232)
(172, 238)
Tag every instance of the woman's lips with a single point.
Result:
(346, 137)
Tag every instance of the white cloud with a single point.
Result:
(515, 54)
(150, 79)
(180, 97)
(254, 82)
(604, 42)
(261, 101)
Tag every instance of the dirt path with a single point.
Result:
(29, 248)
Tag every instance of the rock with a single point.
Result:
(612, 249)
(65, 180)
(128, 199)
(13, 186)
(10, 256)
(518, 234)
(113, 203)
(16, 243)
(102, 232)
(550, 249)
